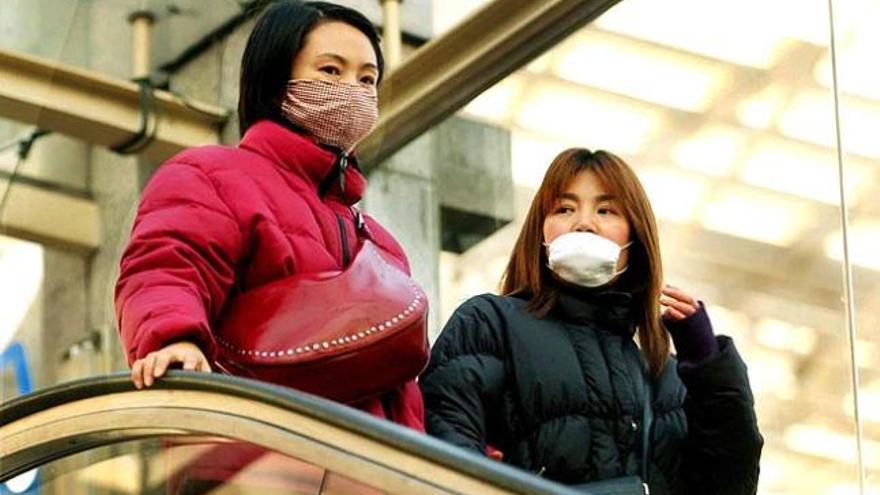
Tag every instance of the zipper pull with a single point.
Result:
(361, 223)
(359, 219)
(343, 165)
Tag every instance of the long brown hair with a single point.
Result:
(527, 274)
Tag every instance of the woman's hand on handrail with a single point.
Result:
(144, 371)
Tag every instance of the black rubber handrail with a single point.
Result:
(332, 413)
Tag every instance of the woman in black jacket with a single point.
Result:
(550, 375)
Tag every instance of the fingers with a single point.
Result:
(679, 295)
(149, 364)
(162, 362)
(674, 314)
(194, 360)
(682, 307)
(203, 366)
(137, 370)
(190, 362)
(677, 304)
(196, 363)
(155, 364)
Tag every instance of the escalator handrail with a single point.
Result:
(333, 413)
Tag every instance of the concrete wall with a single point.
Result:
(55, 31)
(115, 182)
(459, 165)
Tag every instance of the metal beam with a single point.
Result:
(50, 217)
(451, 70)
(99, 109)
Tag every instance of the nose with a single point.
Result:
(585, 222)
(349, 76)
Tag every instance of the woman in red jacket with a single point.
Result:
(216, 220)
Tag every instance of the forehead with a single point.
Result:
(339, 38)
(585, 183)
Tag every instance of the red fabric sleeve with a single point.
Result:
(179, 265)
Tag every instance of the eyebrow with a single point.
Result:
(599, 198)
(343, 61)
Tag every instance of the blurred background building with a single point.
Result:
(725, 109)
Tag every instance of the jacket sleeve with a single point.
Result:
(179, 264)
(723, 447)
(464, 379)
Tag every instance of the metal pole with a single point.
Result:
(848, 290)
(141, 42)
(391, 32)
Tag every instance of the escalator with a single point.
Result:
(196, 433)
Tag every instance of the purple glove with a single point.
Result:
(693, 336)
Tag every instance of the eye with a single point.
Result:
(330, 69)
(563, 210)
(606, 210)
(368, 80)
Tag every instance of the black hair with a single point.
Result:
(278, 36)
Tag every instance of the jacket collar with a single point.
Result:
(303, 156)
(610, 310)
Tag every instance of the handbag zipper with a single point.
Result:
(336, 175)
(343, 164)
(344, 238)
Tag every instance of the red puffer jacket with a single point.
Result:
(214, 217)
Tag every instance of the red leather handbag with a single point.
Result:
(345, 335)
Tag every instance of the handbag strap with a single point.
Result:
(647, 422)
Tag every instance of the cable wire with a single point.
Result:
(24, 149)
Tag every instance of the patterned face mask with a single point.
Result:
(335, 113)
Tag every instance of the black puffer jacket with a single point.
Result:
(561, 396)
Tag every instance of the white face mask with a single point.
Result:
(584, 258)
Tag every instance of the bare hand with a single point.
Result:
(677, 305)
(145, 370)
